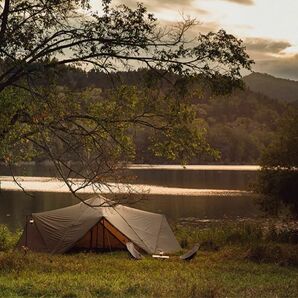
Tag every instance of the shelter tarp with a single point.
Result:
(58, 231)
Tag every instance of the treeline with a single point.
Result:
(240, 125)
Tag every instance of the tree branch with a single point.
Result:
(4, 20)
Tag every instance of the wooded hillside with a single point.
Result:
(239, 125)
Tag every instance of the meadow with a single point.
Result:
(235, 260)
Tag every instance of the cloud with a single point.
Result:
(280, 67)
(266, 46)
(270, 57)
(157, 5)
(242, 2)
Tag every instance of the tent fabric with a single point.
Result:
(58, 231)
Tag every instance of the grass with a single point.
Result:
(211, 274)
(234, 266)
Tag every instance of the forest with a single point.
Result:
(239, 125)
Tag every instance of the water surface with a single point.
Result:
(14, 206)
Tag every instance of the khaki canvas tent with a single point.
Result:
(100, 228)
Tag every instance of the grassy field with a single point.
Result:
(235, 261)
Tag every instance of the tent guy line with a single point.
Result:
(51, 184)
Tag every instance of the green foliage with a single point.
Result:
(278, 189)
(283, 151)
(220, 234)
(117, 36)
(273, 253)
(230, 124)
(97, 129)
(211, 274)
(278, 178)
(248, 233)
(8, 239)
(237, 269)
(240, 125)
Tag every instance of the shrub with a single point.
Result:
(273, 253)
(8, 239)
(282, 236)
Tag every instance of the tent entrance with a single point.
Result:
(102, 236)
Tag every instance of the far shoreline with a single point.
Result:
(147, 166)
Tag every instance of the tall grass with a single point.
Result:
(234, 233)
(240, 260)
(210, 274)
(219, 234)
(270, 245)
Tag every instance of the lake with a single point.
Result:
(15, 205)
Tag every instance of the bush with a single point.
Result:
(277, 180)
(8, 239)
(274, 253)
(282, 236)
(279, 191)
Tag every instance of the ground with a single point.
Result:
(235, 260)
(211, 274)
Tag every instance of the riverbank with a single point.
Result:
(235, 260)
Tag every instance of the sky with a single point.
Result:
(269, 28)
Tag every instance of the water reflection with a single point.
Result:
(16, 205)
(208, 179)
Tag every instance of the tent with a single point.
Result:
(104, 227)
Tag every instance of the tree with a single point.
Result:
(96, 128)
(277, 180)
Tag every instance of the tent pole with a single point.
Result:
(97, 235)
(26, 239)
(103, 234)
(91, 231)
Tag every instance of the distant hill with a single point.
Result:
(261, 83)
(276, 88)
